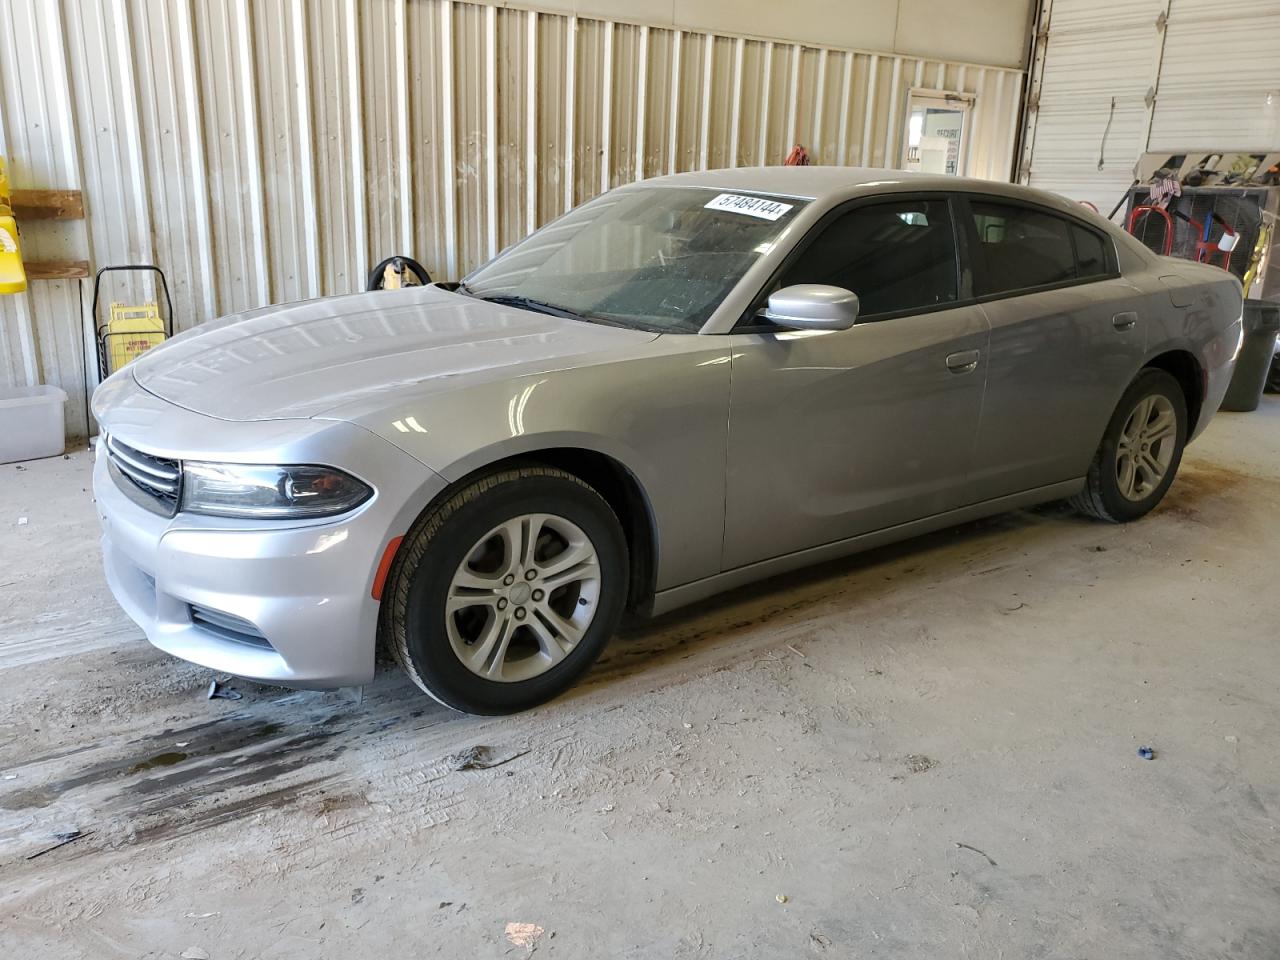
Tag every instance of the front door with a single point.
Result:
(835, 434)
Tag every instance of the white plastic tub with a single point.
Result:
(31, 423)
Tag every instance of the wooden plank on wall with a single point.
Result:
(56, 269)
(48, 205)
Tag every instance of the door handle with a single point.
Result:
(1125, 321)
(966, 361)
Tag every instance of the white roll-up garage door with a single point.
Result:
(1113, 79)
(1095, 62)
(1219, 77)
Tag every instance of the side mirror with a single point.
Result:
(813, 306)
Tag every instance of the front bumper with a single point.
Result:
(297, 596)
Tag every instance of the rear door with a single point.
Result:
(838, 433)
(1067, 334)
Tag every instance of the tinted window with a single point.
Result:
(894, 256)
(1020, 248)
(1091, 253)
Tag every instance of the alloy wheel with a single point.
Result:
(1146, 447)
(523, 597)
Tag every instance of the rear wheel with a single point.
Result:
(1140, 451)
(507, 591)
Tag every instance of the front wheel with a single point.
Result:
(507, 591)
(1140, 451)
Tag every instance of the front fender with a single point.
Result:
(662, 415)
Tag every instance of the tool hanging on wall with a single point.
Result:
(1260, 247)
(396, 272)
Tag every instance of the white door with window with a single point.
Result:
(937, 132)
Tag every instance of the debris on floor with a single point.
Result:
(919, 763)
(218, 690)
(479, 757)
(981, 853)
(524, 934)
(1146, 753)
(62, 839)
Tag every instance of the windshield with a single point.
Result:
(650, 258)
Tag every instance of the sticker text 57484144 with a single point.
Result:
(751, 206)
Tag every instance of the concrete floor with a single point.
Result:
(928, 751)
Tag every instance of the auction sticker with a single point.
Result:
(751, 206)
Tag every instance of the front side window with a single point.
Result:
(649, 258)
(1020, 248)
(895, 256)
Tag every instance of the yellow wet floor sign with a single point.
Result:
(131, 332)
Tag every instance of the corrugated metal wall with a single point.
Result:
(272, 150)
(1113, 79)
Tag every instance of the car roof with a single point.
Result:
(834, 183)
(811, 183)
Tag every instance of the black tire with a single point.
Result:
(413, 620)
(1101, 497)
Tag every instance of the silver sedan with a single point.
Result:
(679, 387)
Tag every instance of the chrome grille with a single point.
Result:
(154, 482)
(228, 626)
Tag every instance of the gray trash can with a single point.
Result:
(1261, 322)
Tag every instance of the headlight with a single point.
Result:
(269, 492)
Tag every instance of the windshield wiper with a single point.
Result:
(528, 303)
(540, 306)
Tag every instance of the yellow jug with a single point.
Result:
(13, 279)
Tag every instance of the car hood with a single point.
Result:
(316, 357)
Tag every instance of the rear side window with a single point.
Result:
(895, 256)
(1020, 248)
(1091, 253)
